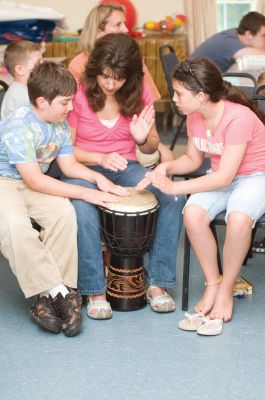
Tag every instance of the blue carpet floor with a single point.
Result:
(136, 355)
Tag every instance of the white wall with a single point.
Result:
(75, 11)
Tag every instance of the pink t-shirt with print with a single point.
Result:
(93, 136)
(238, 125)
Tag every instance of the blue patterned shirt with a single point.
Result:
(24, 138)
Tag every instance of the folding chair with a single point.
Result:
(218, 220)
(259, 97)
(169, 61)
(260, 89)
(4, 85)
(3, 89)
(243, 81)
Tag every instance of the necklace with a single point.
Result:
(209, 133)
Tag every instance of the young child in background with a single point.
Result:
(45, 262)
(19, 59)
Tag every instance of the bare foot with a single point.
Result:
(223, 306)
(207, 301)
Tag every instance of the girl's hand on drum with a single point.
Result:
(113, 161)
(142, 124)
(106, 185)
(144, 182)
(161, 169)
(159, 181)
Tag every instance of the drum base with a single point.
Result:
(126, 283)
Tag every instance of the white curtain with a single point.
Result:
(202, 21)
(258, 5)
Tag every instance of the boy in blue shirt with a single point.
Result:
(45, 262)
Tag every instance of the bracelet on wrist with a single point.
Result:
(141, 144)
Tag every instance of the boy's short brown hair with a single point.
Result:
(49, 80)
(17, 53)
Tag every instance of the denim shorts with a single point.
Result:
(245, 194)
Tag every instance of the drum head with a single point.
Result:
(137, 201)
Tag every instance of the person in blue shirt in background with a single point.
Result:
(225, 47)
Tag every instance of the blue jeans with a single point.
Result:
(162, 253)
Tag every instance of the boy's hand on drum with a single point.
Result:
(113, 161)
(106, 185)
(142, 124)
(161, 182)
(100, 198)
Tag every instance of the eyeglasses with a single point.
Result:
(186, 68)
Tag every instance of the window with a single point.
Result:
(230, 12)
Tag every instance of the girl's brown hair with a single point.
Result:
(120, 54)
(202, 75)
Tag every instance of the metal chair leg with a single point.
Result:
(177, 134)
(186, 270)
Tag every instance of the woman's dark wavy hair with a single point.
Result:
(202, 75)
(120, 54)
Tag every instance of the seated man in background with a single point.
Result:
(225, 47)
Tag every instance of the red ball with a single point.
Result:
(130, 11)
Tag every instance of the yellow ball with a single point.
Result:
(178, 22)
(149, 25)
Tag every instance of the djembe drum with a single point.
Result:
(128, 229)
(148, 160)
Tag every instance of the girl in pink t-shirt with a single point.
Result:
(223, 122)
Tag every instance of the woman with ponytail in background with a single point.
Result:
(225, 123)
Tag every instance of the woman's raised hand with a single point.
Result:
(142, 124)
(113, 161)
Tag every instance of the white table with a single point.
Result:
(252, 65)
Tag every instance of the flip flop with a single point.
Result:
(192, 321)
(211, 327)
